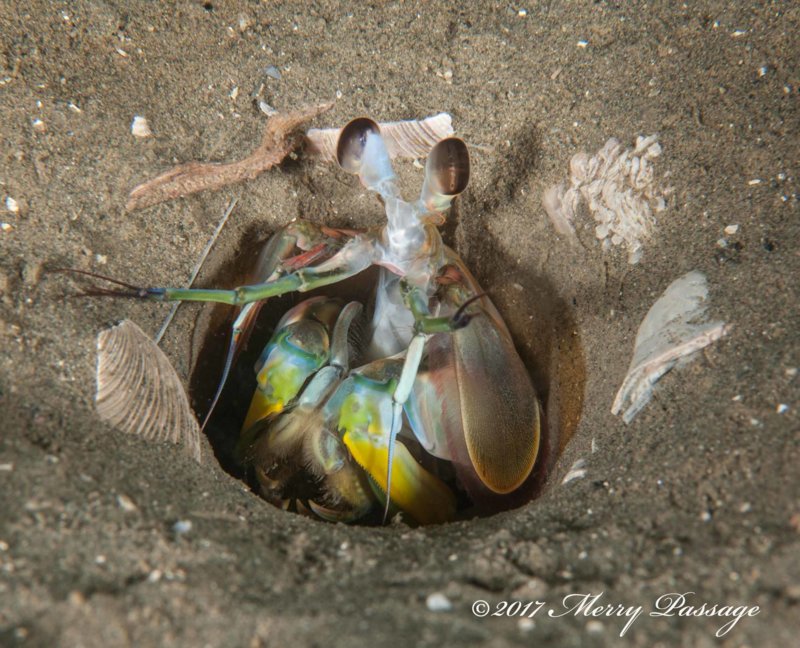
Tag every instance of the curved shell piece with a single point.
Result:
(407, 139)
(139, 392)
(673, 329)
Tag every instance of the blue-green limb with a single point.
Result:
(416, 301)
(355, 256)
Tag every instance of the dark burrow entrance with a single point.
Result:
(542, 326)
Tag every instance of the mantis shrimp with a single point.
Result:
(388, 403)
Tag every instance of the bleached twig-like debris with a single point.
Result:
(669, 333)
(409, 139)
(139, 392)
(619, 188)
(279, 140)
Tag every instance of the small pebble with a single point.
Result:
(273, 72)
(594, 627)
(6, 227)
(754, 181)
(731, 229)
(526, 625)
(126, 503)
(438, 602)
(38, 125)
(244, 22)
(140, 127)
(583, 43)
(234, 93)
(12, 205)
(782, 408)
(182, 527)
(76, 598)
(522, 13)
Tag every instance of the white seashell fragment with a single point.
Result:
(12, 205)
(268, 110)
(438, 602)
(618, 186)
(669, 332)
(576, 471)
(139, 392)
(140, 127)
(126, 503)
(409, 139)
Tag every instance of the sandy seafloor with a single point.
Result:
(699, 494)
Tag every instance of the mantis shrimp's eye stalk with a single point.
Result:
(353, 142)
(446, 174)
(361, 150)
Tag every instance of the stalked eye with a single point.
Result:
(446, 173)
(447, 169)
(353, 141)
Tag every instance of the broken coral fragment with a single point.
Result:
(139, 392)
(618, 186)
(670, 332)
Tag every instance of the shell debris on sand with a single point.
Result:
(619, 188)
(668, 335)
(140, 127)
(139, 392)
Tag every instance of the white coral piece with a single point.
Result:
(618, 187)
(668, 334)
